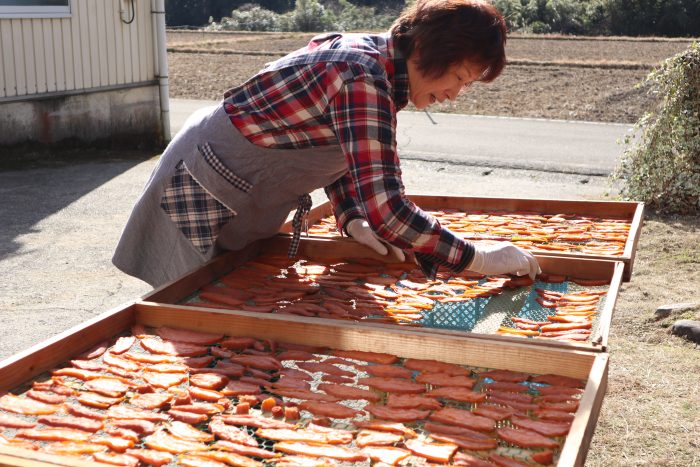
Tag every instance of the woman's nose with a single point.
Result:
(454, 91)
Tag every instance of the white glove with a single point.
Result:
(360, 230)
(503, 258)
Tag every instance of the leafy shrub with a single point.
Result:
(661, 166)
(249, 18)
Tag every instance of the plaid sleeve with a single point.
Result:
(341, 194)
(363, 117)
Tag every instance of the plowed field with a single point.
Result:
(590, 79)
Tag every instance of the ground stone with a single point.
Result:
(664, 311)
(687, 328)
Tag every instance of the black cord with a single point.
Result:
(133, 13)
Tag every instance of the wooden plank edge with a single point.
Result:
(466, 350)
(631, 246)
(17, 457)
(23, 366)
(597, 208)
(578, 440)
(606, 314)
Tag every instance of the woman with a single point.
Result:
(323, 116)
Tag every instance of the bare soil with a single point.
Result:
(559, 78)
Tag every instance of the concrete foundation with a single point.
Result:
(122, 117)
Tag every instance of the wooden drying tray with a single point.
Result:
(315, 248)
(631, 211)
(515, 356)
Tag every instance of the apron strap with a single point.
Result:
(303, 208)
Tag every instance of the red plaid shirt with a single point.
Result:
(351, 103)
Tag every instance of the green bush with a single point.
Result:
(661, 165)
(249, 18)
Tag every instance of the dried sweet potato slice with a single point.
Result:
(23, 406)
(542, 427)
(386, 454)
(367, 437)
(444, 379)
(525, 438)
(78, 423)
(393, 385)
(178, 349)
(116, 459)
(150, 456)
(209, 380)
(321, 450)
(438, 452)
(162, 441)
(460, 394)
(387, 371)
(151, 400)
(468, 443)
(14, 422)
(231, 433)
(188, 432)
(244, 450)
(463, 418)
(412, 401)
(329, 409)
(349, 392)
(395, 414)
(187, 336)
(53, 434)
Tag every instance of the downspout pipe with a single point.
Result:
(158, 13)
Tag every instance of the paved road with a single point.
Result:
(583, 148)
(60, 224)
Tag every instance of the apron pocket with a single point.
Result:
(220, 168)
(198, 214)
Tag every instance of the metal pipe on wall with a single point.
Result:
(158, 13)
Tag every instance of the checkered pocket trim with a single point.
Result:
(197, 214)
(216, 164)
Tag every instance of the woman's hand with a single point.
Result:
(360, 230)
(503, 258)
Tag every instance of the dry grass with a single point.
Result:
(651, 413)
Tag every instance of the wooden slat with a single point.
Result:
(463, 350)
(118, 28)
(29, 62)
(102, 42)
(633, 239)
(606, 315)
(18, 49)
(38, 57)
(111, 12)
(133, 55)
(26, 365)
(9, 64)
(76, 44)
(59, 47)
(89, 37)
(84, 46)
(45, 51)
(142, 21)
(69, 58)
(579, 438)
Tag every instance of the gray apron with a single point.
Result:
(213, 190)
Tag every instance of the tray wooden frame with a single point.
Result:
(29, 364)
(631, 210)
(330, 248)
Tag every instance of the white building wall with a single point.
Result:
(93, 48)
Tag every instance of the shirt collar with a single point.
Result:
(397, 70)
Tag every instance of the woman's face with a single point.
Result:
(425, 90)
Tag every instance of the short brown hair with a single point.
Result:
(448, 32)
